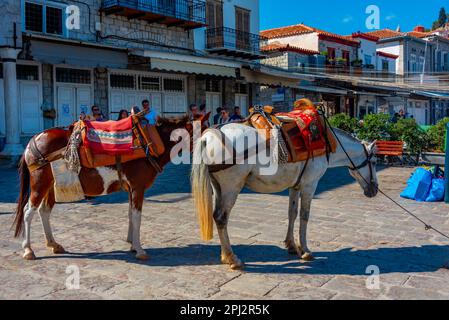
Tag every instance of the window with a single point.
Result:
(214, 14)
(385, 65)
(241, 88)
(412, 63)
(242, 25)
(331, 55)
(122, 81)
(54, 20)
(213, 86)
(67, 75)
(34, 17)
(44, 18)
(421, 64)
(173, 85)
(27, 72)
(150, 83)
(368, 59)
(345, 55)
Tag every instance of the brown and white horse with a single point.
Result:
(37, 193)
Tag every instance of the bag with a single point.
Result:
(67, 186)
(418, 185)
(437, 189)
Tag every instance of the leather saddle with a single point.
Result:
(304, 131)
(146, 143)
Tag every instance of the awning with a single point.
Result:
(192, 68)
(269, 78)
(435, 95)
(323, 90)
(78, 56)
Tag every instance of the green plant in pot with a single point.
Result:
(437, 134)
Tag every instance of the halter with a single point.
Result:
(365, 163)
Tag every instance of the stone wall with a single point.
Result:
(101, 96)
(116, 26)
(11, 14)
(279, 60)
(48, 96)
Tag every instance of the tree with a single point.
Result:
(442, 19)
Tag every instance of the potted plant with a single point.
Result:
(437, 135)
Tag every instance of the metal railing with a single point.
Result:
(188, 10)
(233, 39)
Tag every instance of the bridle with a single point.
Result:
(367, 162)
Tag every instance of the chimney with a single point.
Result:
(419, 29)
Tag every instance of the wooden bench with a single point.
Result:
(390, 149)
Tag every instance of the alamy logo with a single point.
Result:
(373, 281)
(73, 280)
(373, 20)
(73, 21)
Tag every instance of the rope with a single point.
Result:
(426, 225)
(71, 155)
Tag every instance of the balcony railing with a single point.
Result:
(182, 13)
(236, 43)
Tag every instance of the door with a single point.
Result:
(213, 101)
(66, 105)
(156, 102)
(71, 101)
(83, 101)
(2, 110)
(30, 107)
(241, 100)
(175, 104)
(242, 22)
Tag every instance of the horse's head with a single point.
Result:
(365, 170)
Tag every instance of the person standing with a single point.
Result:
(123, 114)
(224, 118)
(218, 115)
(151, 114)
(193, 111)
(237, 114)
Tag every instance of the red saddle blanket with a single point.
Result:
(110, 137)
(311, 130)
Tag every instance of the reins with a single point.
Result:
(368, 162)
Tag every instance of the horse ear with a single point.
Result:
(372, 148)
(205, 118)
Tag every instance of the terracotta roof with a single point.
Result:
(365, 36)
(387, 55)
(287, 47)
(385, 33)
(388, 33)
(303, 29)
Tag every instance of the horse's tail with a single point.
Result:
(24, 196)
(202, 192)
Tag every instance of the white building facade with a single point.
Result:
(120, 53)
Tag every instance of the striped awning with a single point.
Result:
(192, 68)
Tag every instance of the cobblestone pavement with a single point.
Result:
(347, 233)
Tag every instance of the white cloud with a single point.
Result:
(348, 19)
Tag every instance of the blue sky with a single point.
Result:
(347, 16)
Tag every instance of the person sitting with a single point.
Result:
(96, 115)
(237, 114)
(123, 114)
(151, 114)
(218, 115)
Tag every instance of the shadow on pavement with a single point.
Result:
(267, 259)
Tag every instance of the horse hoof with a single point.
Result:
(237, 266)
(143, 257)
(29, 255)
(307, 257)
(56, 248)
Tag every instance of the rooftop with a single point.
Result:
(286, 47)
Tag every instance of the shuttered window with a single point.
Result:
(242, 25)
(214, 14)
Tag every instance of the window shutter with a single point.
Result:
(246, 21)
(210, 15)
(219, 14)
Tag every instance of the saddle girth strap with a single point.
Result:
(118, 165)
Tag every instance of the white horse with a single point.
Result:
(225, 185)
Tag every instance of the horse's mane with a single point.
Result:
(173, 121)
(346, 134)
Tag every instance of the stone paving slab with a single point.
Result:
(347, 233)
